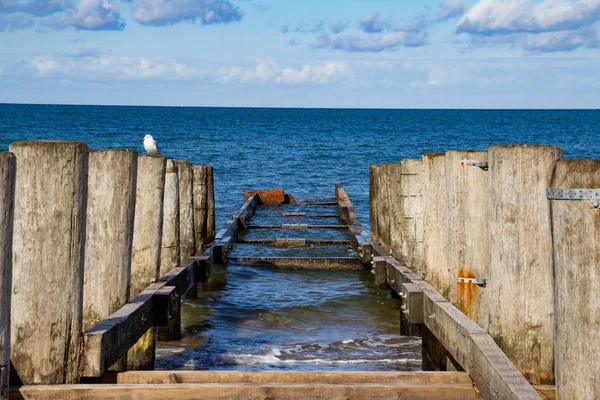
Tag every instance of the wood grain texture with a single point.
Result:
(409, 249)
(147, 246)
(109, 233)
(435, 238)
(576, 239)
(8, 167)
(170, 252)
(210, 204)
(333, 377)
(200, 207)
(521, 285)
(394, 212)
(249, 391)
(468, 234)
(186, 208)
(48, 242)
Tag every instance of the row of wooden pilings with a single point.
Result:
(81, 233)
(533, 260)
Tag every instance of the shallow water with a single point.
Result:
(259, 318)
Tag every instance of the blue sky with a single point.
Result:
(284, 53)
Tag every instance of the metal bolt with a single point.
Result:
(595, 204)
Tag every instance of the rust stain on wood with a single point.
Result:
(467, 291)
(270, 197)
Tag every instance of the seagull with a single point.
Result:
(150, 145)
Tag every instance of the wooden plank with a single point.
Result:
(249, 391)
(305, 262)
(200, 189)
(186, 208)
(8, 167)
(297, 377)
(170, 256)
(297, 226)
(295, 242)
(269, 197)
(111, 338)
(576, 239)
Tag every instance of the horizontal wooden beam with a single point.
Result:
(298, 226)
(297, 377)
(305, 262)
(225, 238)
(295, 242)
(470, 345)
(413, 391)
(109, 340)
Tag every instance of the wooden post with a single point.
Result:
(521, 275)
(109, 234)
(210, 205)
(7, 203)
(374, 200)
(394, 210)
(186, 208)
(48, 258)
(147, 241)
(200, 203)
(575, 233)
(170, 257)
(468, 234)
(410, 248)
(435, 237)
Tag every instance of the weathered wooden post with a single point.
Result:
(48, 242)
(393, 207)
(109, 234)
(7, 203)
(435, 237)
(170, 253)
(200, 204)
(374, 200)
(210, 205)
(410, 249)
(576, 240)
(170, 256)
(186, 208)
(467, 182)
(521, 283)
(147, 243)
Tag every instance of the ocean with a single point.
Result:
(260, 317)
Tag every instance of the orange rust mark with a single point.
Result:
(269, 197)
(467, 291)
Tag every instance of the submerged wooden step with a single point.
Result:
(297, 226)
(304, 262)
(292, 242)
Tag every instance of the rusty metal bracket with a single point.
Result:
(476, 281)
(593, 195)
(474, 163)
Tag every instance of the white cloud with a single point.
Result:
(111, 68)
(551, 25)
(269, 72)
(168, 12)
(92, 15)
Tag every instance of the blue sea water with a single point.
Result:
(261, 317)
(303, 150)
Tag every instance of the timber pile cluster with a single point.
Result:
(487, 231)
(96, 250)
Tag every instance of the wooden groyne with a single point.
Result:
(510, 250)
(83, 283)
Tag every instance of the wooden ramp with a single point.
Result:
(275, 229)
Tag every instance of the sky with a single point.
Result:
(302, 53)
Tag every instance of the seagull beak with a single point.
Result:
(142, 139)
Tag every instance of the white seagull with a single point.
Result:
(150, 145)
